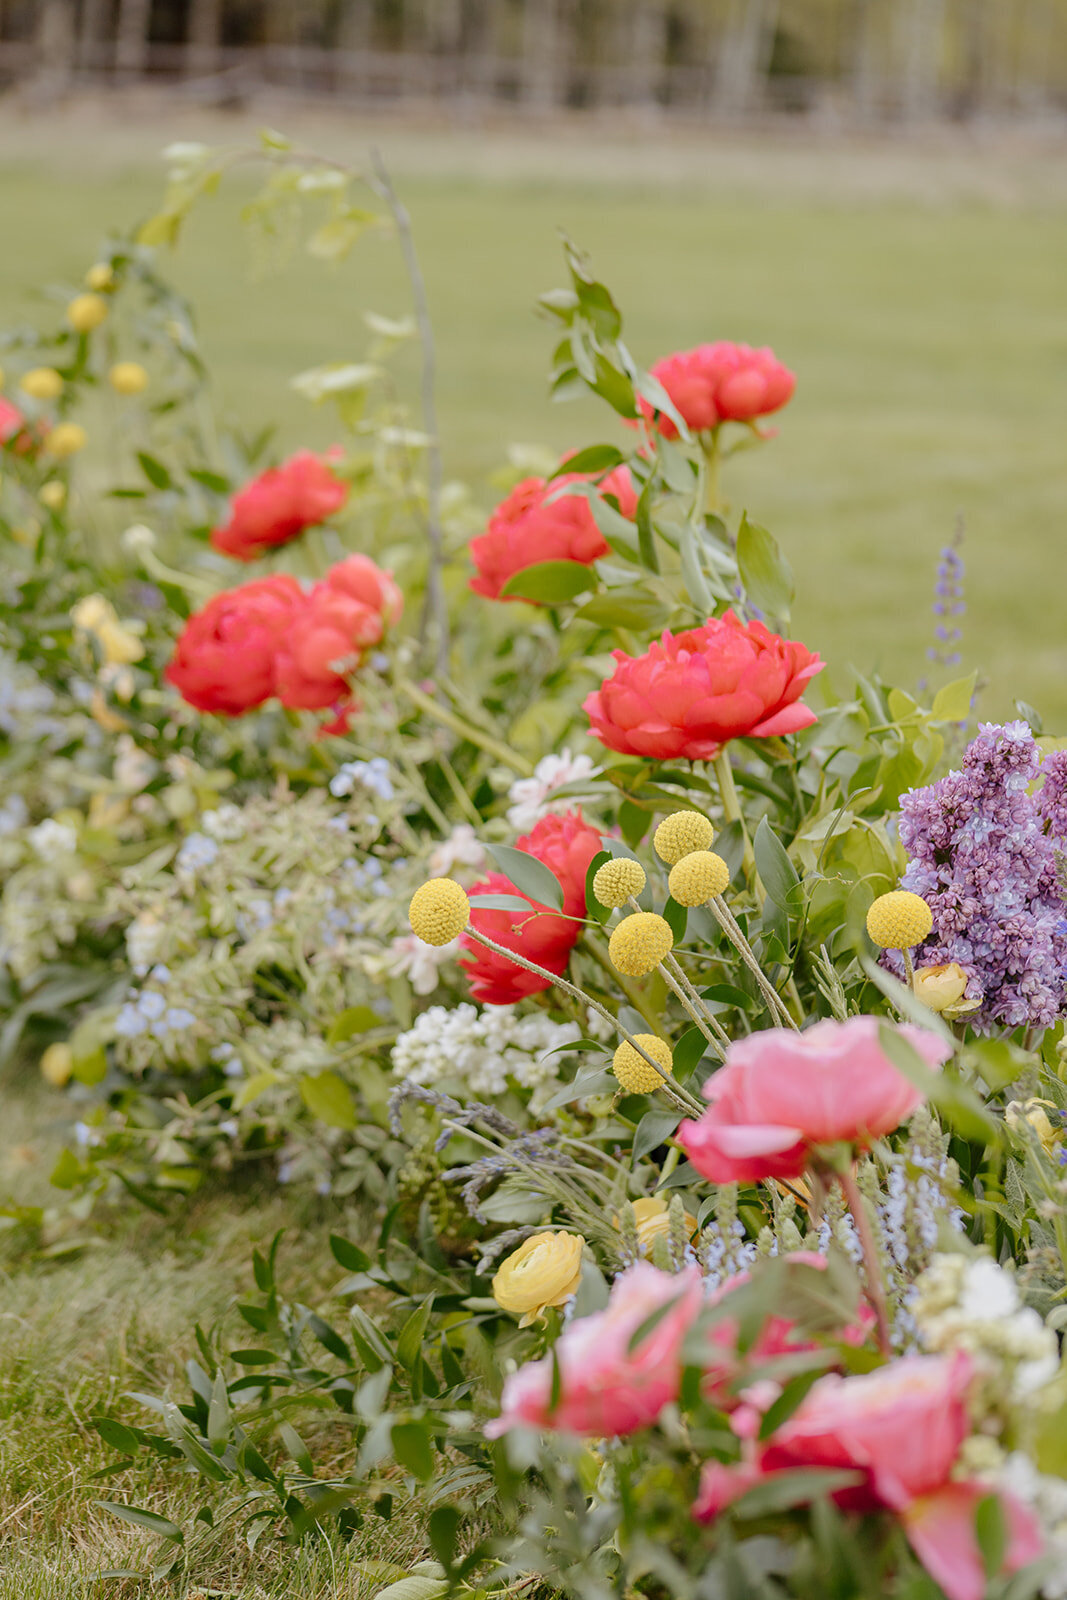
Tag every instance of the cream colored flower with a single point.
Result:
(942, 988)
(652, 1215)
(544, 1271)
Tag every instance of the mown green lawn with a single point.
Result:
(930, 340)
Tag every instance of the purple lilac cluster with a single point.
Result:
(984, 856)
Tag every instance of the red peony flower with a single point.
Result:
(224, 659)
(530, 527)
(686, 696)
(344, 616)
(565, 844)
(721, 382)
(278, 505)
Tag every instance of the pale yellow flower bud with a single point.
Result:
(899, 920)
(698, 878)
(86, 312)
(618, 880)
(66, 439)
(128, 377)
(634, 1073)
(439, 911)
(57, 1064)
(639, 943)
(680, 834)
(42, 383)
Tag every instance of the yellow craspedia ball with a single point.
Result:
(57, 1064)
(899, 920)
(680, 834)
(100, 278)
(53, 494)
(618, 880)
(86, 312)
(41, 383)
(698, 878)
(66, 439)
(634, 1073)
(639, 943)
(128, 377)
(439, 911)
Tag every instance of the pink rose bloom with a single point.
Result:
(691, 692)
(538, 523)
(607, 1389)
(11, 420)
(779, 1094)
(777, 1337)
(721, 382)
(278, 505)
(901, 1427)
(344, 616)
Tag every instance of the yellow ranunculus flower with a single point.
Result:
(57, 1064)
(544, 1271)
(66, 439)
(1018, 1112)
(42, 383)
(941, 987)
(652, 1214)
(128, 377)
(86, 312)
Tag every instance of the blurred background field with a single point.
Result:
(914, 284)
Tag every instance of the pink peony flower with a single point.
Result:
(780, 1094)
(278, 505)
(605, 1388)
(226, 655)
(940, 1529)
(691, 692)
(539, 523)
(11, 421)
(721, 382)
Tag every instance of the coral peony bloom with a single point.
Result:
(778, 1094)
(344, 616)
(605, 1388)
(721, 382)
(224, 659)
(537, 522)
(278, 505)
(565, 844)
(691, 692)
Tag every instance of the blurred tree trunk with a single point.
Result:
(924, 38)
(131, 37)
(204, 36)
(54, 49)
(94, 29)
(541, 53)
(647, 49)
(745, 54)
(865, 73)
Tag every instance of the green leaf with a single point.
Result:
(587, 1083)
(117, 1435)
(142, 1519)
(499, 902)
(652, 1130)
(953, 702)
(593, 908)
(777, 872)
(785, 1490)
(329, 1099)
(530, 876)
(550, 582)
(991, 1533)
(689, 1052)
(765, 573)
(353, 1020)
(444, 1529)
(414, 1588)
(645, 536)
(409, 1343)
(210, 480)
(296, 1449)
(154, 471)
(625, 608)
(676, 918)
(67, 1172)
(957, 1103)
(594, 458)
(413, 1448)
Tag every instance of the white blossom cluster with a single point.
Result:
(970, 1303)
(1046, 1497)
(533, 798)
(480, 1054)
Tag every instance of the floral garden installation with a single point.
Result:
(672, 1028)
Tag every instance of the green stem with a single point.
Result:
(449, 719)
(712, 481)
(674, 1091)
(875, 1288)
(731, 806)
(774, 1002)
